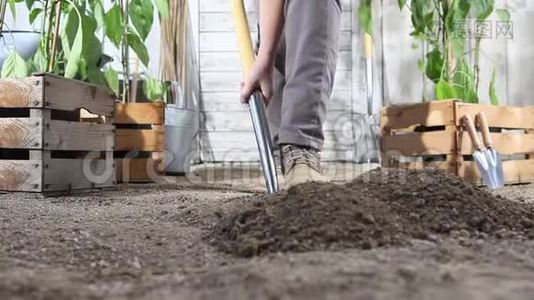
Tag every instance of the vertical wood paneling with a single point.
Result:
(397, 78)
(520, 66)
(220, 76)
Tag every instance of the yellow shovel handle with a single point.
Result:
(246, 48)
(368, 44)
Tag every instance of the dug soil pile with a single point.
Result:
(382, 208)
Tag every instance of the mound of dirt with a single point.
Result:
(385, 207)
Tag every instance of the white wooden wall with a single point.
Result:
(226, 129)
(226, 132)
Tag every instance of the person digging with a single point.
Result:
(294, 70)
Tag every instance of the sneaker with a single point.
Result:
(300, 165)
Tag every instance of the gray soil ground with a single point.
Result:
(146, 242)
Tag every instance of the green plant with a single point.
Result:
(439, 24)
(73, 32)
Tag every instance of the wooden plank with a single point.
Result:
(141, 140)
(504, 143)
(515, 171)
(440, 165)
(519, 55)
(224, 22)
(426, 114)
(402, 80)
(67, 94)
(139, 170)
(224, 5)
(20, 175)
(77, 174)
(74, 136)
(251, 155)
(229, 101)
(21, 133)
(230, 81)
(498, 116)
(140, 113)
(229, 61)
(21, 93)
(227, 41)
(426, 143)
(340, 121)
(222, 141)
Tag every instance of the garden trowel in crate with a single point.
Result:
(479, 155)
(256, 102)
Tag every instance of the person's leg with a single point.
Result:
(274, 108)
(311, 36)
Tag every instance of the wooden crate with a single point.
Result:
(140, 140)
(43, 145)
(431, 135)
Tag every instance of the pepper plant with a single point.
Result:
(441, 24)
(74, 31)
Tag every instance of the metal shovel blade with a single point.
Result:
(263, 138)
(495, 165)
(484, 168)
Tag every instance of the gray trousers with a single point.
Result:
(304, 72)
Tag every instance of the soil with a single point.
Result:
(149, 242)
(381, 208)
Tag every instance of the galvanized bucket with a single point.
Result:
(25, 43)
(181, 131)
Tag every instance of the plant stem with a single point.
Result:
(55, 37)
(476, 67)
(125, 53)
(3, 7)
(51, 18)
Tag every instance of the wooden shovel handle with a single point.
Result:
(470, 127)
(368, 45)
(483, 124)
(246, 47)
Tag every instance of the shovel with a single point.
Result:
(256, 102)
(479, 155)
(373, 123)
(492, 156)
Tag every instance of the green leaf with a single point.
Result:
(365, 16)
(142, 15)
(434, 65)
(14, 66)
(444, 91)
(482, 9)
(98, 12)
(494, 99)
(112, 79)
(70, 31)
(75, 52)
(34, 14)
(503, 14)
(13, 8)
(114, 26)
(137, 45)
(153, 89)
(163, 8)
(29, 3)
(96, 76)
(402, 3)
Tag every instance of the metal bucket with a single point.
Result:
(25, 43)
(181, 130)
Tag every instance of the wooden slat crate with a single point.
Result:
(431, 135)
(140, 140)
(43, 145)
